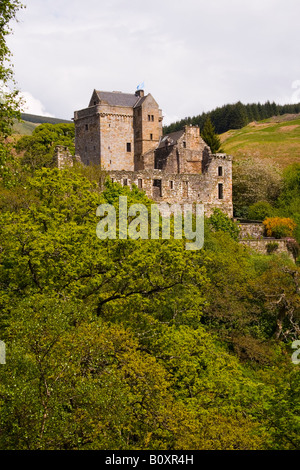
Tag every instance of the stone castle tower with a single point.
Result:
(122, 132)
(117, 128)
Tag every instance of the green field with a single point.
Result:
(277, 139)
(30, 121)
(24, 128)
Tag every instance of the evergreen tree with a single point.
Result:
(210, 137)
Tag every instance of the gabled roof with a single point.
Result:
(117, 98)
(171, 138)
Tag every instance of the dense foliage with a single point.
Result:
(9, 101)
(138, 344)
(38, 149)
(235, 116)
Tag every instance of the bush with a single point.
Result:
(279, 227)
(221, 222)
(272, 247)
(293, 247)
(260, 210)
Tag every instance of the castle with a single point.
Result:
(122, 132)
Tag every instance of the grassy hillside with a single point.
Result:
(30, 122)
(277, 138)
(24, 128)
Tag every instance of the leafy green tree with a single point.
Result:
(210, 137)
(219, 221)
(253, 181)
(38, 149)
(260, 210)
(9, 102)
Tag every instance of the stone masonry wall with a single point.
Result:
(116, 126)
(87, 135)
(261, 246)
(174, 188)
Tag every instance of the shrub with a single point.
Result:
(221, 222)
(279, 227)
(293, 247)
(260, 210)
(271, 247)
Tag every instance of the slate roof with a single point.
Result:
(172, 138)
(117, 98)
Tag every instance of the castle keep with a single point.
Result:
(122, 132)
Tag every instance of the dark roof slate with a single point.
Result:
(171, 138)
(116, 98)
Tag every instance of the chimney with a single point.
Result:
(139, 93)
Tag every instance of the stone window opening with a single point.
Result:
(220, 171)
(152, 117)
(149, 117)
(151, 136)
(128, 146)
(86, 127)
(140, 183)
(172, 184)
(157, 187)
(184, 144)
(125, 182)
(185, 189)
(220, 191)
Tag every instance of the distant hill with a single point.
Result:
(30, 121)
(276, 139)
(235, 116)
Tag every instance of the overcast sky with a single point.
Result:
(192, 55)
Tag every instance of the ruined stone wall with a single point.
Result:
(218, 187)
(185, 155)
(191, 147)
(174, 188)
(262, 246)
(251, 230)
(63, 157)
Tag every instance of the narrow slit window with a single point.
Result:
(172, 184)
(128, 146)
(140, 183)
(220, 191)
(151, 136)
(125, 182)
(220, 171)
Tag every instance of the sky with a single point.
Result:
(191, 55)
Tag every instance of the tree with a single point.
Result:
(260, 210)
(38, 149)
(219, 221)
(9, 103)
(210, 137)
(252, 181)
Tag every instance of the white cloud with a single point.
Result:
(192, 56)
(32, 105)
